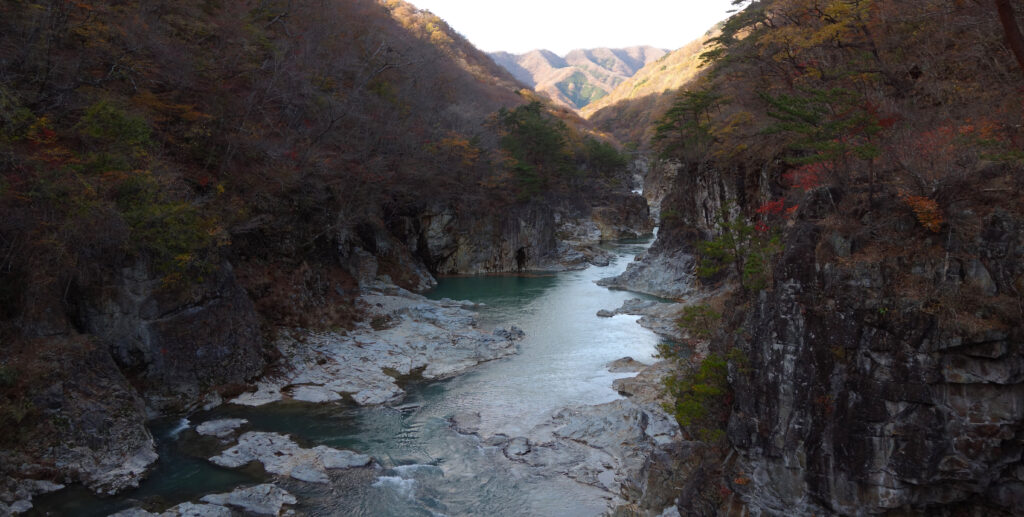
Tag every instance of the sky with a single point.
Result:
(519, 26)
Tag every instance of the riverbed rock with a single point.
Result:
(664, 274)
(517, 446)
(466, 422)
(606, 446)
(646, 387)
(181, 510)
(406, 335)
(223, 428)
(280, 455)
(658, 317)
(263, 499)
(16, 494)
(626, 448)
(625, 365)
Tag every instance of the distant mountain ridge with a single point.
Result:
(580, 77)
(629, 111)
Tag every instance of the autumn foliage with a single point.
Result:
(180, 134)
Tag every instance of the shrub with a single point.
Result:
(702, 396)
(744, 247)
(180, 242)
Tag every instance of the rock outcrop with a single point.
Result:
(629, 449)
(535, 236)
(86, 425)
(177, 343)
(280, 455)
(405, 335)
(668, 274)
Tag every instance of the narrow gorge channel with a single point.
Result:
(424, 463)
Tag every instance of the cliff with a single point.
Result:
(879, 382)
(868, 359)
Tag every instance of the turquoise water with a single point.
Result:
(426, 468)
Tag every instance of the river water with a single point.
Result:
(427, 468)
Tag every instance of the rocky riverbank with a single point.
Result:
(624, 449)
(156, 352)
(404, 336)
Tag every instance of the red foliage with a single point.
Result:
(772, 207)
(806, 177)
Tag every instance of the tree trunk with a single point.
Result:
(1014, 38)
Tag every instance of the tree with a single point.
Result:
(828, 126)
(744, 247)
(686, 126)
(536, 144)
(1014, 38)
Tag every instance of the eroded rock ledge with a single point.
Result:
(405, 335)
(624, 448)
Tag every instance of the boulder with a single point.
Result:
(279, 455)
(263, 499)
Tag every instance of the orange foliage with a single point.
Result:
(925, 209)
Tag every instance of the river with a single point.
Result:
(427, 468)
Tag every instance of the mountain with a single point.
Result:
(628, 111)
(581, 76)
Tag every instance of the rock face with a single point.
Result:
(87, 422)
(406, 335)
(689, 198)
(530, 237)
(859, 399)
(177, 344)
(656, 272)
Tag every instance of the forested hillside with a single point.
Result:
(180, 179)
(848, 178)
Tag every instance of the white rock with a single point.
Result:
(197, 510)
(128, 473)
(222, 428)
(439, 339)
(264, 499)
(314, 394)
(280, 455)
(265, 393)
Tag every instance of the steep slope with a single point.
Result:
(181, 180)
(582, 76)
(851, 174)
(629, 110)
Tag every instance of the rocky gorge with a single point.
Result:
(401, 335)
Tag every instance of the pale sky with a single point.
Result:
(519, 26)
